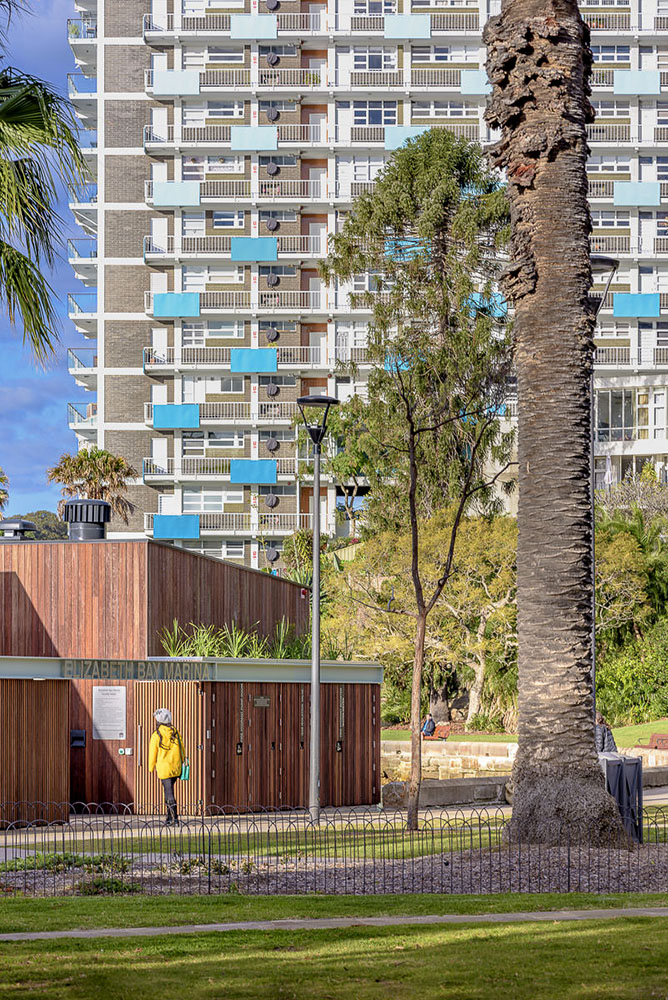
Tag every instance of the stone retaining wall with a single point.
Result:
(452, 759)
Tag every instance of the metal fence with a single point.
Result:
(52, 849)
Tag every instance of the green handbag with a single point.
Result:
(185, 770)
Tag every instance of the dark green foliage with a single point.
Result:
(48, 524)
(632, 682)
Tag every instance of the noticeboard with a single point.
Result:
(109, 712)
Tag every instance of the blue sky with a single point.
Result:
(33, 402)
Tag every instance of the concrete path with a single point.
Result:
(313, 924)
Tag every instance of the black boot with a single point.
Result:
(171, 810)
(175, 816)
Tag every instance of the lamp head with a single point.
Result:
(318, 408)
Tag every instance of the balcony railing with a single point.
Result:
(610, 244)
(306, 79)
(82, 249)
(376, 78)
(83, 358)
(82, 419)
(205, 466)
(302, 300)
(212, 78)
(602, 77)
(609, 133)
(266, 524)
(301, 23)
(216, 190)
(437, 77)
(601, 189)
(661, 23)
(81, 29)
(612, 356)
(608, 21)
(353, 189)
(660, 244)
(221, 246)
(292, 189)
(660, 355)
(81, 303)
(263, 412)
(79, 85)
(225, 300)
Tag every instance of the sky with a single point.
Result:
(33, 401)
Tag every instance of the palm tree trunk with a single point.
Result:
(539, 62)
(416, 724)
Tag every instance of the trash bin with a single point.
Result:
(623, 779)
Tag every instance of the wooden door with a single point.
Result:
(226, 756)
(185, 700)
(263, 741)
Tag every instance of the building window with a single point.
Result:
(217, 549)
(611, 109)
(611, 53)
(615, 414)
(228, 220)
(225, 109)
(608, 164)
(371, 7)
(374, 112)
(225, 439)
(443, 109)
(225, 165)
(373, 59)
(285, 51)
(609, 219)
(233, 385)
(203, 501)
(217, 54)
(195, 334)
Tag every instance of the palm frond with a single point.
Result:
(28, 297)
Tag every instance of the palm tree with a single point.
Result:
(538, 61)
(38, 151)
(4, 494)
(95, 474)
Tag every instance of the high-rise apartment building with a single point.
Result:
(228, 138)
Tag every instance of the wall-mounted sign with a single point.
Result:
(261, 701)
(109, 715)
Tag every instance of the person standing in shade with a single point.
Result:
(605, 741)
(166, 756)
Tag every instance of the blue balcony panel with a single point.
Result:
(248, 27)
(183, 305)
(636, 83)
(167, 194)
(176, 416)
(634, 194)
(176, 82)
(246, 360)
(628, 305)
(173, 526)
(474, 82)
(495, 304)
(253, 138)
(254, 248)
(397, 135)
(402, 26)
(253, 470)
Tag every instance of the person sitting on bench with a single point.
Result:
(429, 726)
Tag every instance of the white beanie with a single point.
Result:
(163, 717)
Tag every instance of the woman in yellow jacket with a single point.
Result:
(166, 756)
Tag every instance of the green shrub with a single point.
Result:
(632, 683)
(482, 723)
(108, 887)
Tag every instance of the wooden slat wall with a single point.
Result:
(98, 772)
(185, 700)
(81, 600)
(108, 599)
(34, 742)
(193, 588)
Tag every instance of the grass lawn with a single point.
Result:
(617, 960)
(25, 914)
(625, 736)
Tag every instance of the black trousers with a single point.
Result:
(168, 785)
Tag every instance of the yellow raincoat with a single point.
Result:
(166, 752)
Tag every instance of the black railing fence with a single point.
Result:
(51, 849)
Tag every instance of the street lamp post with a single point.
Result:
(318, 407)
(600, 265)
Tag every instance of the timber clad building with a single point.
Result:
(227, 139)
(81, 674)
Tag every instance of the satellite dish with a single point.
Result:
(271, 334)
(271, 225)
(272, 114)
(271, 501)
(271, 444)
(272, 554)
(272, 4)
(273, 59)
(272, 389)
(273, 280)
(273, 168)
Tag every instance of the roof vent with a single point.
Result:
(86, 519)
(15, 528)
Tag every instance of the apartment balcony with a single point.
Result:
(252, 413)
(602, 77)
(375, 79)
(609, 134)
(209, 79)
(82, 92)
(601, 189)
(660, 247)
(82, 365)
(265, 248)
(431, 78)
(661, 23)
(221, 358)
(82, 310)
(202, 468)
(82, 36)
(450, 22)
(612, 357)
(84, 207)
(250, 523)
(608, 21)
(82, 257)
(291, 79)
(292, 191)
(83, 419)
(162, 30)
(616, 245)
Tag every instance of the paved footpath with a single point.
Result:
(343, 922)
